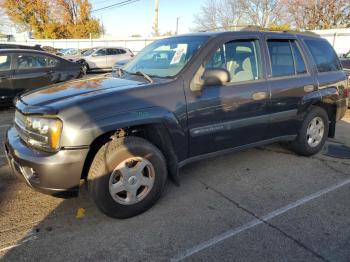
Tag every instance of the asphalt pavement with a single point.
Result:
(263, 204)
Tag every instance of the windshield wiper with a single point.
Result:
(147, 77)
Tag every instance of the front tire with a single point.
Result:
(85, 68)
(127, 176)
(313, 133)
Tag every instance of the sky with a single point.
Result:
(137, 17)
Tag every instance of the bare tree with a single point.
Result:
(262, 13)
(217, 15)
(226, 14)
(318, 14)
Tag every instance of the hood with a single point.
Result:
(73, 58)
(60, 92)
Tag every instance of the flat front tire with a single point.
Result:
(313, 133)
(127, 176)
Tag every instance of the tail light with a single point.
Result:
(346, 92)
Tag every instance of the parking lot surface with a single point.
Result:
(263, 204)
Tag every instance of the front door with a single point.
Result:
(98, 60)
(33, 71)
(235, 114)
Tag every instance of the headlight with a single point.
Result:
(40, 132)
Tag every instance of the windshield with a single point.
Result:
(89, 51)
(347, 55)
(166, 57)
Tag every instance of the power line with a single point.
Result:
(127, 2)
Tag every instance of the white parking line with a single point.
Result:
(230, 233)
(9, 247)
(3, 126)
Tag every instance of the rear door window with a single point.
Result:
(286, 58)
(323, 55)
(5, 62)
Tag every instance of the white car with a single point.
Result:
(102, 58)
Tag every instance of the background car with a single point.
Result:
(100, 58)
(345, 60)
(68, 52)
(120, 64)
(22, 70)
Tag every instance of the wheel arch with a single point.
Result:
(156, 133)
(325, 99)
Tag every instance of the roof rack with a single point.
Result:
(262, 29)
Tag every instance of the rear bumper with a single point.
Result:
(56, 174)
(342, 105)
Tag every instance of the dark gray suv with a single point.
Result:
(179, 100)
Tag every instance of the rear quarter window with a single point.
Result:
(323, 55)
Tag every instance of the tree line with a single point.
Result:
(53, 18)
(275, 14)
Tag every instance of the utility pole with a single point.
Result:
(177, 26)
(155, 24)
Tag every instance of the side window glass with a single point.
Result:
(240, 58)
(121, 51)
(30, 61)
(112, 51)
(281, 58)
(5, 62)
(324, 56)
(101, 52)
(300, 67)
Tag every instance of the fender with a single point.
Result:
(90, 129)
(331, 100)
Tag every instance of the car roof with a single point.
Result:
(19, 44)
(250, 32)
(29, 51)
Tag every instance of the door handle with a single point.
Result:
(309, 88)
(259, 96)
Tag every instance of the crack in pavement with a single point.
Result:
(238, 205)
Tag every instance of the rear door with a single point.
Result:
(290, 79)
(6, 74)
(235, 114)
(34, 71)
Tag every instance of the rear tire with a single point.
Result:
(312, 134)
(127, 176)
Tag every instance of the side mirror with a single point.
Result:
(215, 77)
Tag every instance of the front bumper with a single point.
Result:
(56, 174)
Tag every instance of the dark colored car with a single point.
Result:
(345, 61)
(19, 46)
(216, 93)
(22, 70)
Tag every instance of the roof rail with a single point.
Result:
(262, 29)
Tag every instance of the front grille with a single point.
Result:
(20, 121)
